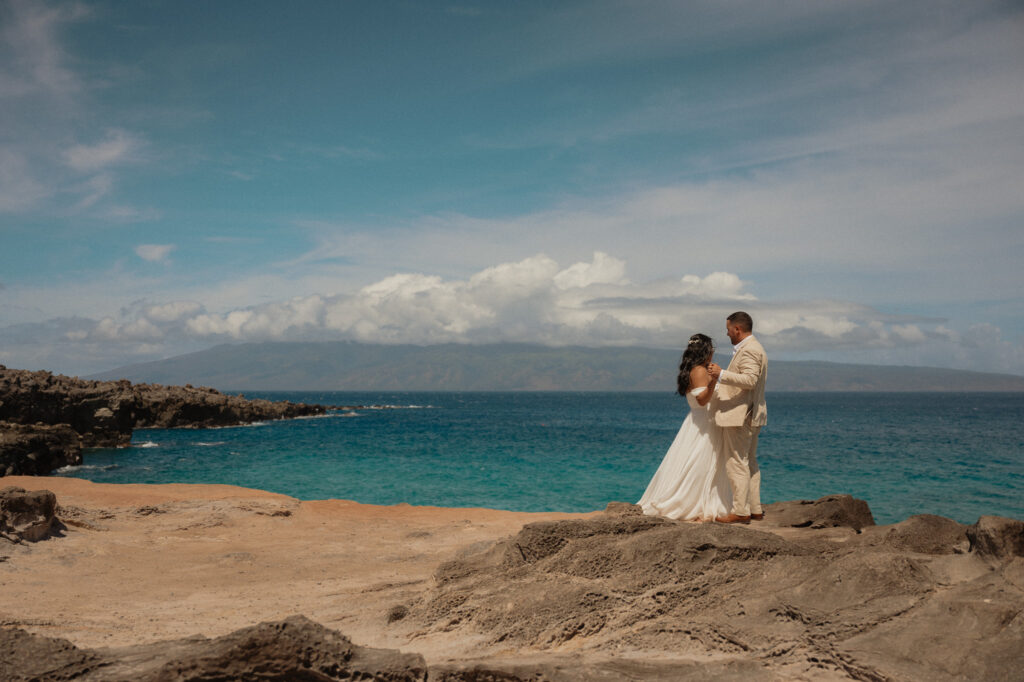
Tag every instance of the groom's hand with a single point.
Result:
(714, 370)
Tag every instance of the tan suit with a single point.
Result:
(740, 409)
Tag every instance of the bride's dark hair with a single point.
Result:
(698, 351)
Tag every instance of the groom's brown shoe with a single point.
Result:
(757, 517)
(732, 518)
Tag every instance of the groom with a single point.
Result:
(741, 412)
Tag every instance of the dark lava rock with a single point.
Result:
(997, 537)
(293, 649)
(831, 511)
(104, 413)
(37, 449)
(26, 515)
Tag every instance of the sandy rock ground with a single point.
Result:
(816, 591)
(140, 563)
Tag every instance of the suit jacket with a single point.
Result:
(739, 399)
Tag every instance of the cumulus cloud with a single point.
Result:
(533, 300)
(154, 252)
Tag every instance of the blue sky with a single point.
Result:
(177, 175)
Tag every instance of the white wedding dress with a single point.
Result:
(691, 483)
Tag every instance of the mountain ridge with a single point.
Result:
(350, 365)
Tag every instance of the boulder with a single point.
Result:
(27, 515)
(831, 511)
(997, 537)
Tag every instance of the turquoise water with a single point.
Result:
(957, 455)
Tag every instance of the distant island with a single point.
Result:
(351, 366)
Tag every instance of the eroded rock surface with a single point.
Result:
(905, 601)
(831, 511)
(997, 537)
(26, 515)
(293, 649)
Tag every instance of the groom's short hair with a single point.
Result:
(742, 320)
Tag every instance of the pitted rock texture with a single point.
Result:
(26, 515)
(818, 601)
(831, 511)
(997, 537)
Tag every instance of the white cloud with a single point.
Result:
(603, 270)
(154, 252)
(117, 147)
(33, 57)
(172, 312)
(532, 300)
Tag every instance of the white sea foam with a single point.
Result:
(73, 468)
(246, 426)
(147, 444)
(328, 415)
(212, 444)
(399, 407)
(237, 426)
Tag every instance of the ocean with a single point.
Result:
(959, 455)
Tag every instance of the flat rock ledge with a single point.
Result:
(46, 419)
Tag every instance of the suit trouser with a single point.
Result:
(740, 449)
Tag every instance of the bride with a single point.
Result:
(690, 484)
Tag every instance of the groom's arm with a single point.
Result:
(748, 371)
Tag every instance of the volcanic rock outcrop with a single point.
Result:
(39, 411)
(831, 598)
(37, 449)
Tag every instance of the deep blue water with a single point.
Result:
(957, 455)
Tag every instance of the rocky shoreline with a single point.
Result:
(46, 420)
(816, 591)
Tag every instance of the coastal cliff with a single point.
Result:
(46, 419)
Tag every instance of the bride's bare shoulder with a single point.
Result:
(699, 376)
